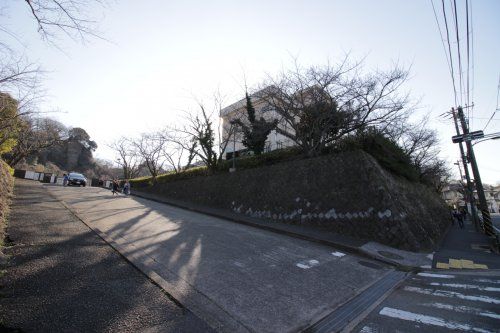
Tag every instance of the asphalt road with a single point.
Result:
(444, 301)
(61, 277)
(235, 277)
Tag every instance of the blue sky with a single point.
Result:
(161, 54)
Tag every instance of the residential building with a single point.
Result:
(454, 197)
(453, 194)
(262, 109)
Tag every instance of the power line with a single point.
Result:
(496, 109)
(449, 50)
(468, 55)
(442, 41)
(472, 60)
(460, 76)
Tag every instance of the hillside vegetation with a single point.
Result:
(6, 187)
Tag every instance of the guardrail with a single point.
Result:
(490, 230)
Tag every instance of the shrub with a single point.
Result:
(385, 151)
(6, 186)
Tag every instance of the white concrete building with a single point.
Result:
(238, 111)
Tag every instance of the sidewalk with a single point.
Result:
(466, 249)
(403, 260)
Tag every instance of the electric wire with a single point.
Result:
(460, 72)
(468, 56)
(496, 109)
(442, 38)
(472, 62)
(449, 50)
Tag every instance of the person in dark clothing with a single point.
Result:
(463, 211)
(457, 216)
(115, 187)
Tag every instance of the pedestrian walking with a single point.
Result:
(463, 211)
(115, 187)
(126, 188)
(457, 217)
(65, 180)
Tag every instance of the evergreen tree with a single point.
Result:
(256, 131)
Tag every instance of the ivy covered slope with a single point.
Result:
(6, 187)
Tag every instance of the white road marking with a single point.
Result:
(428, 320)
(487, 281)
(338, 254)
(306, 264)
(464, 309)
(444, 293)
(464, 286)
(367, 329)
(439, 276)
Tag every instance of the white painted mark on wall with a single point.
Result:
(306, 264)
(464, 309)
(338, 254)
(439, 276)
(444, 293)
(428, 320)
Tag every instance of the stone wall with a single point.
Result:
(348, 193)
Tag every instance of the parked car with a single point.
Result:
(77, 179)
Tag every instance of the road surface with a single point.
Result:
(235, 277)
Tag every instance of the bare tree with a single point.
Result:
(21, 78)
(319, 105)
(37, 134)
(179, 150)
(421, 144)
(207, 143)
(150, 146)
(22, 81)
(128, 158)
(69, 17)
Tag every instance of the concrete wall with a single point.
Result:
(347, 193)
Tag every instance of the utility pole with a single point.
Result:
(459, 170)
(488, 229)
(470, 192)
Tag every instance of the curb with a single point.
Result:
(232, 218)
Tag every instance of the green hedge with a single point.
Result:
(245, 162)
(385, 151)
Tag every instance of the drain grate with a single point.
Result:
(341, 317)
